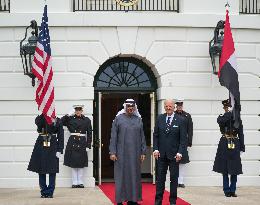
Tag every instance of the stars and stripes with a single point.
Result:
(227, 74)
(42, 69)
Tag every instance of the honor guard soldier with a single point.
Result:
(45, 156)
(189, 124)
(78, 145)
(231, 144)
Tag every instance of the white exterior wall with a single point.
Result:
(177, 47)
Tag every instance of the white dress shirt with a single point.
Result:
(171, 118)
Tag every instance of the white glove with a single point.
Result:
(58, 154)
(87, 149)
(178, 154)
(71, 112)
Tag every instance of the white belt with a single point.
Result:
(78, 134)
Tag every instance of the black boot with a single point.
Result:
(181, 185)
(233, 194)
(228, 194)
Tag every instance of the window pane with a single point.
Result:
(143, 77)
(104, 77)
(102, 84)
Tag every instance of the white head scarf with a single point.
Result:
(129, 102)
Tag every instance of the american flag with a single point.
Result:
(42, 69)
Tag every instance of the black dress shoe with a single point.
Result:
(46, 196)
(80, 186)
(74, 186)
(181, 185)
(132, 203)
(228, 194)
(233, 194)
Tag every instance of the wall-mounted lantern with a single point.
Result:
(27, 50)
(215, 46)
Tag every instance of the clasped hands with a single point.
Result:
(156, 155)
(113, 157)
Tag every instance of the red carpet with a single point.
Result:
(148, 194)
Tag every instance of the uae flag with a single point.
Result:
(228, 76)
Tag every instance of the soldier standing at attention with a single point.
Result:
(231, 144)
(45, 156)
(189, 124)
(78, 145)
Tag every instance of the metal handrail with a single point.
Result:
(113, 5)
(249, 6)
(4, 5)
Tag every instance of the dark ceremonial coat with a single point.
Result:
(228, 161)
(128, 144)
(189, 125)
(76, 155)
(43, 159)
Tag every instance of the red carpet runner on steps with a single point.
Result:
(148, 194)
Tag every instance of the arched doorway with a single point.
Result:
(117, 79)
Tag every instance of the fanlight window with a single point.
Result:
(125, 74)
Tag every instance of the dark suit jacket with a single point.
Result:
(171, 143)
(189, 126)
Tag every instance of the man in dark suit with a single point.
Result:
(170, 142)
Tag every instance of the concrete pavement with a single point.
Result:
(62, 196)
(215, 196)
(94, 196)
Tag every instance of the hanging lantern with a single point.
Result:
(27, 50)
(215, 46)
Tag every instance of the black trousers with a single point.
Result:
(162, 167)
(47, 190)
